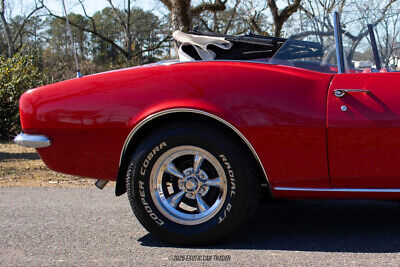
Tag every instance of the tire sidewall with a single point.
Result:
(232, 209)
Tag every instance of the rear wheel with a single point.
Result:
(191, 184)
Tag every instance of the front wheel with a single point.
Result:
(191, 184)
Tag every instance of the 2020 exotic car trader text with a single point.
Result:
(193, 140)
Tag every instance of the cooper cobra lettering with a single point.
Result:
(150, 156)
(142, 193)
(146, 205)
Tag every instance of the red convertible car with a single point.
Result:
(193, 141)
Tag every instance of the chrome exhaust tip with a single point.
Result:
(100, 184)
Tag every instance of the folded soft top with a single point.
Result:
(196, 45)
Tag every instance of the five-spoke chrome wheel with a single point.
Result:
(188, 185)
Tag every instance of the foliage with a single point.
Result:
(17, 74)
(58, 36)
(145, 27)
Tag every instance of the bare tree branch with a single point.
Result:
(125, 21)
(205, 24)
(167, 3)
(92, 31)
(182, 13)
(280, 17)
(26, 19)
(154, 47)
(257, 27)
(233, 14)
(364, 33)
(87, 16)
(118, 15)
(218, 5)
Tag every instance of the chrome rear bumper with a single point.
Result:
(32, 140)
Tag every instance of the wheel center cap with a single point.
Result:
(191, 184)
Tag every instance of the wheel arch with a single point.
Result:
(151, 121)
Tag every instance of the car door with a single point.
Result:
(363, 130)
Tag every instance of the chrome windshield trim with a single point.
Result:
(188, 110)
(32, 140)
(339, 43)
(362, 190)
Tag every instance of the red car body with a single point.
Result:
(309, 143)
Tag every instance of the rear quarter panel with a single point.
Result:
(281, 111)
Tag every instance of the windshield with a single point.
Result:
(312, 48)
(315, 53)
(360, 56)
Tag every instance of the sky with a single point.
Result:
(23, 6)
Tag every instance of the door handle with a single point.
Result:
(341, 92)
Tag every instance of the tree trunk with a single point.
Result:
(128, 31)
(280, 17)
(180, 15)
(278, 28)
(10, 43)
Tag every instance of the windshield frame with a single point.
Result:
(293, 49)
(339, 43)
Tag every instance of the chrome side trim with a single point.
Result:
(188, 110)
(32, 140)
(362, 190)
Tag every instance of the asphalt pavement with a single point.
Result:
(87, 226)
